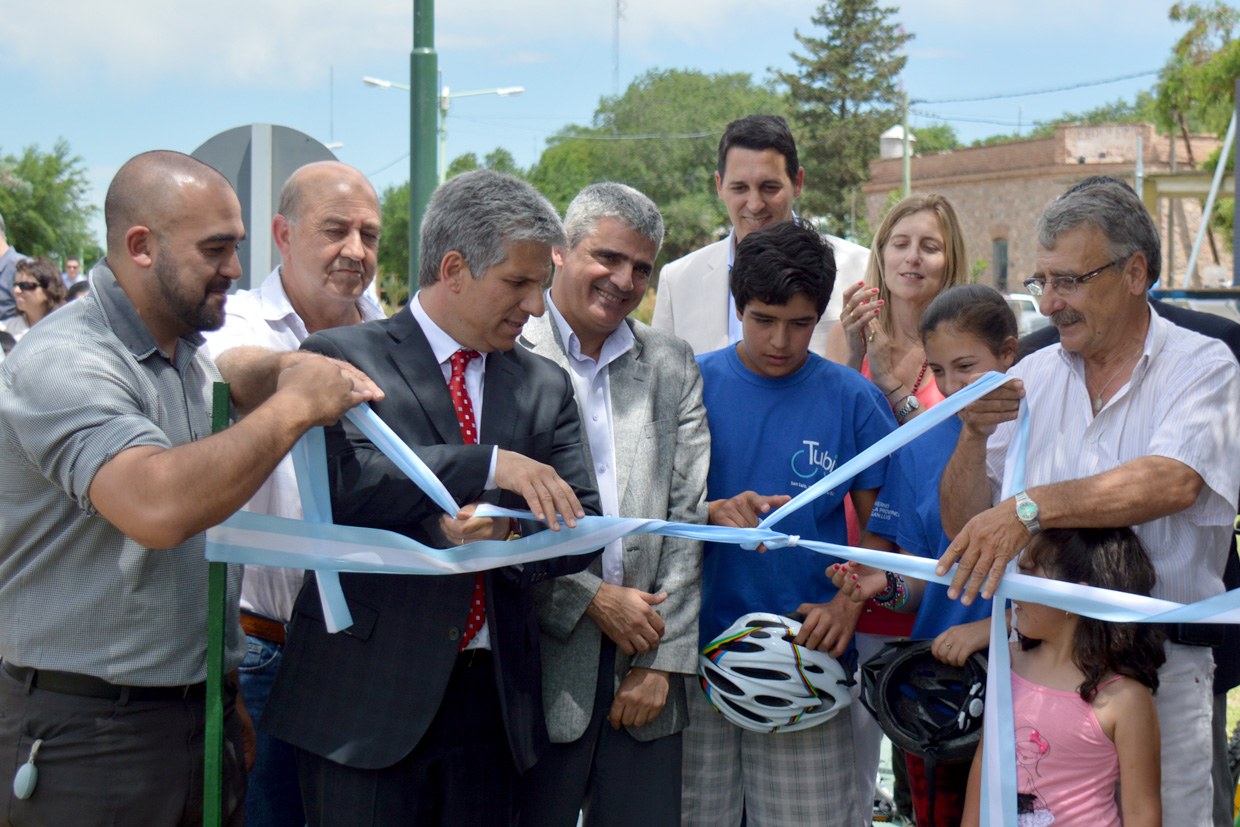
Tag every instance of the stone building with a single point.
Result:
(1000, 190)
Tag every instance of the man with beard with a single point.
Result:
(109, 475)
(327, 231)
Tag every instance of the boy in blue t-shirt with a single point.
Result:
(781, 418)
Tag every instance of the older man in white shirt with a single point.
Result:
(327, 231)
(1132, 423)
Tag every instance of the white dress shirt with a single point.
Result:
(264, 317)
(592, 385)
(443, 346)
(1182, 402)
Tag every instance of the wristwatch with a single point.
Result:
(1027, 513)
(907, 406)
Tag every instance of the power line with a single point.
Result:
(923, 114)
(1042, 91)
(649, 137)
(386, 167)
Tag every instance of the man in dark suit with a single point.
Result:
(1224, 638)
(427, 709)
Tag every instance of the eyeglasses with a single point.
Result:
(28, 286)
(1064, 285)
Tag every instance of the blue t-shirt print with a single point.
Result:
(779, 436)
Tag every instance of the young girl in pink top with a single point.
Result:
(1082, 692)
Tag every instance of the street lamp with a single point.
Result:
(445, 98)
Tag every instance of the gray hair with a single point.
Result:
(609, 199)
(479, 214)
(1113, 208)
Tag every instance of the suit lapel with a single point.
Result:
(501, 402)
(631, 401)
(411, 355)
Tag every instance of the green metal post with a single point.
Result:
(423, 125)
(217, 597)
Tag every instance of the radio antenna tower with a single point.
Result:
(615, 51)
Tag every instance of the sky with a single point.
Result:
(118, 78)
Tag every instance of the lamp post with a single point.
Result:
(445, 99)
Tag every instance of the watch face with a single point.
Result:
(1027, 511)
(913, 404)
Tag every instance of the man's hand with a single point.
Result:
(858, 581)
(983, 548)
(544, 491)
(745, 510)
(249, 736)
(325, 388)
(466, 528)
(627, 617)
(829, 626)
(640, 698)
(1000, 405)
(955, 645)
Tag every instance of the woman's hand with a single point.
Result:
(954, 646)
(857, 581)
(861, 306)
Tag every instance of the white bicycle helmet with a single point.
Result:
(757, 678)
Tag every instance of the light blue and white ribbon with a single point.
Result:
(328, 549)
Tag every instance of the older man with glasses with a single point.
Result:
(1132, 423)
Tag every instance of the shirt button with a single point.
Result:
(602, 468)
(596, 417)
(1092, 440)
(454, 633)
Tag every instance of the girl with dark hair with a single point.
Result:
(1082, 692)
(966, 331)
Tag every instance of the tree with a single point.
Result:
(1196, 88)
(660, 136)
(936, 137)
(843, 96)
(393, 256)
(42, 199)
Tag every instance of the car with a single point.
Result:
(1028, 317)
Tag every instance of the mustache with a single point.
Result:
(1065, 317)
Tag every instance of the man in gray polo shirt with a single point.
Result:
(108, 478)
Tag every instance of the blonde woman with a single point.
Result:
(917, 253)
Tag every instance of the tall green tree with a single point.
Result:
(43, 201)
(660, 136)
(843, 95)
(1196, 88)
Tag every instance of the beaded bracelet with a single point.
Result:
(896, 593)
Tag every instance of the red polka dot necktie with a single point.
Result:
(469, 434)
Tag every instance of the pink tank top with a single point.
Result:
(1066, 767)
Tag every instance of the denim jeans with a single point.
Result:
(274, 796)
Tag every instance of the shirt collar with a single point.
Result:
(123, 317)
(617, 343)
(442, 345)
(276, 305)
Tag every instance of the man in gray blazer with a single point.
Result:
(618, 638)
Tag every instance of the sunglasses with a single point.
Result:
(28, 286)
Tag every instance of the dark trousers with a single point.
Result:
(460, 774)
(105, 762)
(607, 774)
